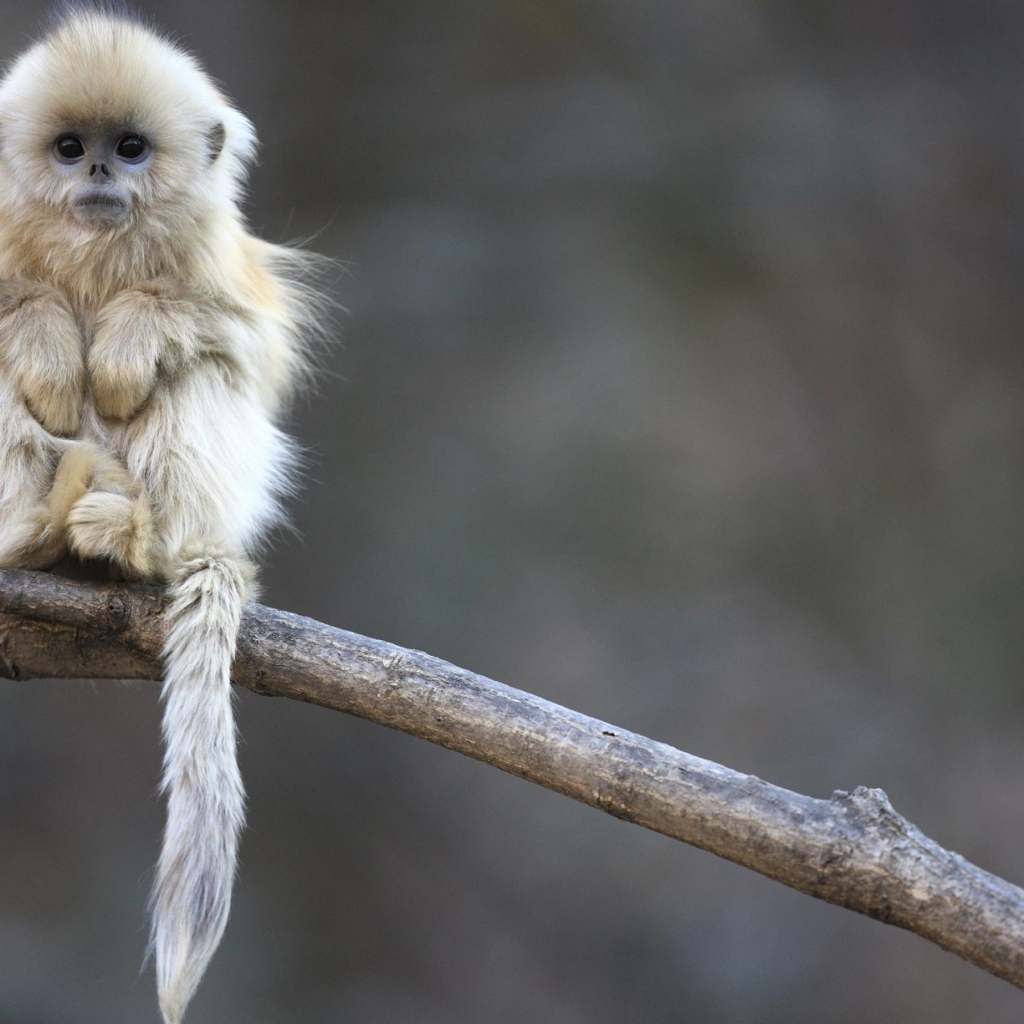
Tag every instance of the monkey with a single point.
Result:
(149, 346)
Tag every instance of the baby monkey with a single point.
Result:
(148, 345)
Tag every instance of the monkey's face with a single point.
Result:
(103, 167)
(107, 130)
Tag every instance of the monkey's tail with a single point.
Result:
(205, 799)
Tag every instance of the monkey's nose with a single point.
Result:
(102, 169)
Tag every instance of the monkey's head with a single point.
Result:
(106, 127)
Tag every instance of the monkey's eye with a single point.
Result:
(69, 148)
(132, 148)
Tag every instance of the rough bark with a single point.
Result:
(853, 849)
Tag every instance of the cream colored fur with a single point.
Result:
(143, 367)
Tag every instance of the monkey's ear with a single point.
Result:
(215, 137)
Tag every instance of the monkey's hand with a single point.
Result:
(41, 345)
(140, 334)
(124, 355)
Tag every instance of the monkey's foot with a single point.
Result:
(32, 543)
(107, 525)
(48, 545)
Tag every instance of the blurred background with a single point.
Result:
(681, 383)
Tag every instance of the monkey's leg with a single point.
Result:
(36, 531)
(28, 457)
(102, 511)
(70, 482)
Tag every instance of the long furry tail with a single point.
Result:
(205, 798)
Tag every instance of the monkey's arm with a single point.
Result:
(41, 350)
(158, 329)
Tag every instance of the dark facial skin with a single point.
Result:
(102, 163)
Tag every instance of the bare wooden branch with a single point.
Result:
(852, 849)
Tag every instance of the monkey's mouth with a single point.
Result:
(101, 208)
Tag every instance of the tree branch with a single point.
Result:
(853, 849)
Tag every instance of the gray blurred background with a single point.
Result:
(681, 382)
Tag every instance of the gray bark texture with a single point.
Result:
(852, 849)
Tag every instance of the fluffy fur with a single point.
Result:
(148, 344)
